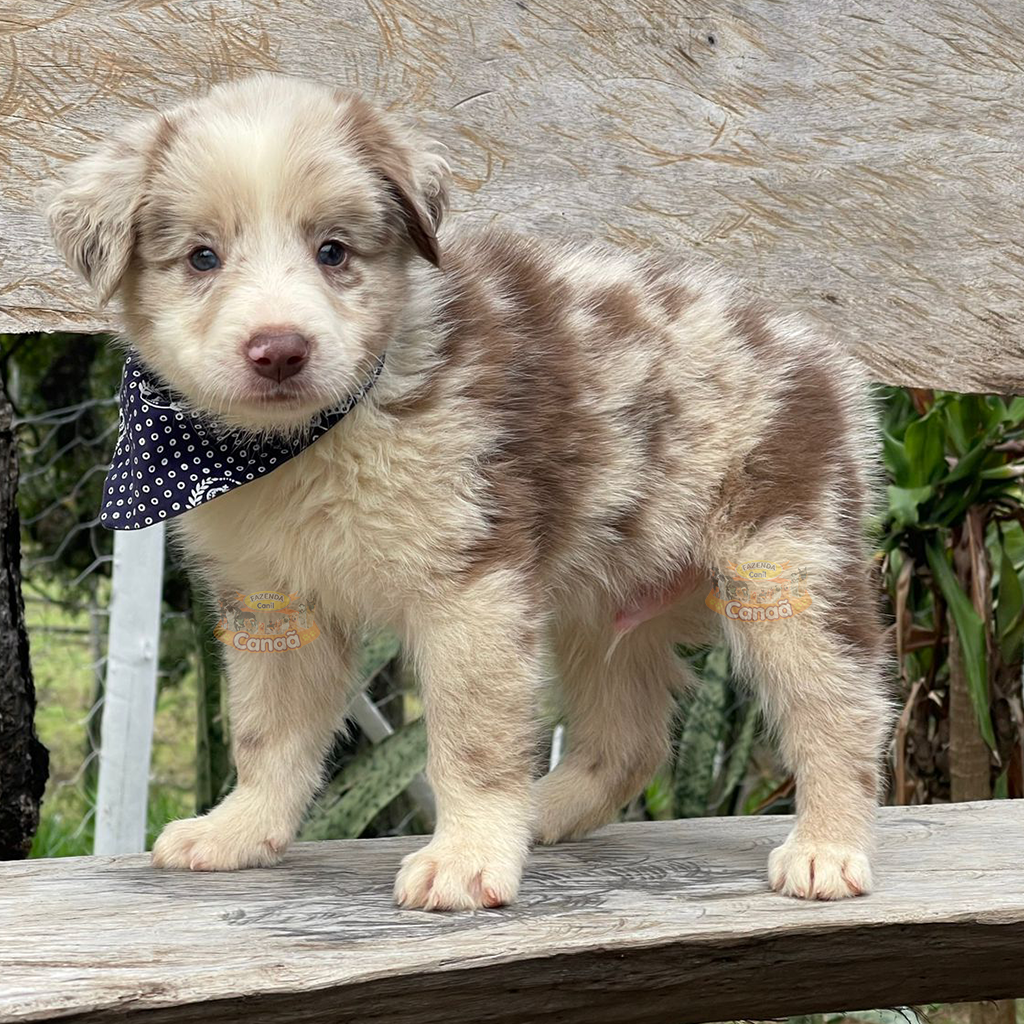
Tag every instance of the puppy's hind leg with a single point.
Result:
(819, 675)
(618, 707)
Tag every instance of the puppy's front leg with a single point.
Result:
(479, 671)
(285, 709)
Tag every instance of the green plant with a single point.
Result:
(368, 779)
(712, 768)
(952, 556)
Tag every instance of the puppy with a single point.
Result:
(564, 448)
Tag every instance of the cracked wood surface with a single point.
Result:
(658, 923)
(859, 161)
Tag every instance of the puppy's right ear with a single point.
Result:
(93, 211)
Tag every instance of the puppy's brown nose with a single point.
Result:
(277, 355)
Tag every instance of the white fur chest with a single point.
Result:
(368, 519)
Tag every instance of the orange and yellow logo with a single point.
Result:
(759, 591)
(265, 622)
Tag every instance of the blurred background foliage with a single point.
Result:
(950, 557)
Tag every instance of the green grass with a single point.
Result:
(65, 687)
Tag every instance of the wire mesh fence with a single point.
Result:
(67, 559)
(66, 582)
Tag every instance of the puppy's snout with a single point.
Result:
(277, 355)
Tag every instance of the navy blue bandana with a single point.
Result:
(169, 459)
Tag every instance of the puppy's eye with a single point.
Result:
(203, 259)
(332, 253)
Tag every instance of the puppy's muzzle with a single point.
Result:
(277, 355)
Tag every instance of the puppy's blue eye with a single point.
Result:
(203, 259)
(331, 254)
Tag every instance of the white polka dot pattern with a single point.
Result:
(169, 459)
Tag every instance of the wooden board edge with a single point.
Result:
(670, 983)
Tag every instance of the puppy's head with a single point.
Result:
(260, 240)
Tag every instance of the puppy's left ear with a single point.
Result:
(93, 210)
(418, 182)
(415, 174)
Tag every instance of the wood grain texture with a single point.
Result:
(860, 161)
(654, 924)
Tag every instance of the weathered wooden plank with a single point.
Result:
(660, 924)
(860, 161)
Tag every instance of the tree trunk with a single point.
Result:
(969, 757)
(24, 761)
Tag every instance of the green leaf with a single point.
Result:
(905, 501)
(894, 456)
(958, 432)
(1014, 414)
(739, 759)
(1007, 471)
(925, 445)
(992, 410)
(704, 730)
(1009, 610)
(955, 502)
(967, 416)
(969, 463)
(971, 631)
(658, 797)
(1013, 543)
(368, 784)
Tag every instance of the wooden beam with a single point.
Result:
(860, 162)
(661, 923)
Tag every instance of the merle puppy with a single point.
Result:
(559, 448)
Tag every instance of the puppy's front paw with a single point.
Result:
(217, 842)
(819, 871)
(452, 875)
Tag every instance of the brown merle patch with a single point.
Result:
(868, 782)
(752, 326)
(467, 314)
(854, 616)
(618, 311)
(391, 158)
(627, 522)
(495, 770)
(526, 373)
(651, 416)
(668, 294)
(793, 461)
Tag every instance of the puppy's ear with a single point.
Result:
(419, 186)
(415, 174)
(93, 210)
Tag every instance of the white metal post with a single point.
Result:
(129, 703)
